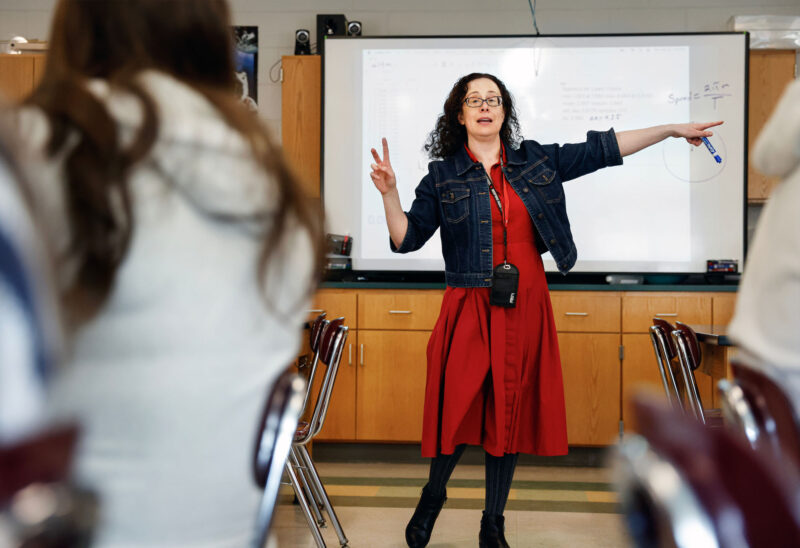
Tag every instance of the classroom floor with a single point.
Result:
(550, 507)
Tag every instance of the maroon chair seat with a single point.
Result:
(766, 414)
(684, 484)
(273, 443)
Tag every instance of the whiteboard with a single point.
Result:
(669, 208)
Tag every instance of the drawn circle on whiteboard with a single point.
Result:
(693, 164)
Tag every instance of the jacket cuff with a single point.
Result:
(608, 140)
(408, 241)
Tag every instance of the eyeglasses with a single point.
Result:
(476, 102)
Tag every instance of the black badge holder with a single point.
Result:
(505, 280)
(505, 277)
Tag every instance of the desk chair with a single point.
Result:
(273, 443)
(34, 473)
(684, 485)
(757, 406)
(35, 456)
(302, 472)
(689, 356)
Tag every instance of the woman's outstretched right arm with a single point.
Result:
(383, 177)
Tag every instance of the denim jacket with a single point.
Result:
(454, 196)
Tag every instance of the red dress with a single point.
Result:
(494, 374)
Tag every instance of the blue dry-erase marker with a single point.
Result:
(711, 150)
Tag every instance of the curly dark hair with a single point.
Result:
(449, 135)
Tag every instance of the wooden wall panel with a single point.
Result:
(16, 76)
(301, 118)
(770, 73)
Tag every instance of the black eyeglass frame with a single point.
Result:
(497, 98)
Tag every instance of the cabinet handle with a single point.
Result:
(576, 313)
(362, 354)
(316, 311)
(399, 312)
(668, 314)
(350, 354)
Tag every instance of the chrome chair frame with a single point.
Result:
(310, 492)
(738, 413)
(680, 516)
(688, 365)
(660, 345)
(273, 444)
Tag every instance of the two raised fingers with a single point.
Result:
(385, 154)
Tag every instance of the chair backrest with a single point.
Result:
(316, 331)
(330, 353)
(273, 441)
(665, 354)
(683, 484)
(318, 328)
(693, 344)
(765, 412)
(689, 358)
(666, 328)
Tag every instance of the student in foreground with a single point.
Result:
(767, 320)
(186, 257)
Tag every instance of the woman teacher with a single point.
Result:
(494, 371)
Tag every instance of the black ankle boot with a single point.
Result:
(491, 535)
(418, 531)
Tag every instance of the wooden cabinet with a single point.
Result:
(380, 386)
(19, 74)
(591, 369)
(770, 73)
(638, 310)
(606, 356)
(301, 118)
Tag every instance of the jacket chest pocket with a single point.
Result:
(545, 183)
(455, 203)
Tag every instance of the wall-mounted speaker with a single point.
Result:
(302, 42)
(329, 25)
(354, 28)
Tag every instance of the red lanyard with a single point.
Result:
(504, 211)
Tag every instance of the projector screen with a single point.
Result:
(668, 209)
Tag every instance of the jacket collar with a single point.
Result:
(463, 161)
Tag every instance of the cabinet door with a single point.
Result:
(391, 385)
(335, 303)
(583, 311)
(723, 308)
(399, 310)
(591, 368)
(340, 422)
(640, 373)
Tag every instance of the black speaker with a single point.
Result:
(329, 25)
(302, 42)
(354, 28)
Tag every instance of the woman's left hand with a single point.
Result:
(693, 133)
